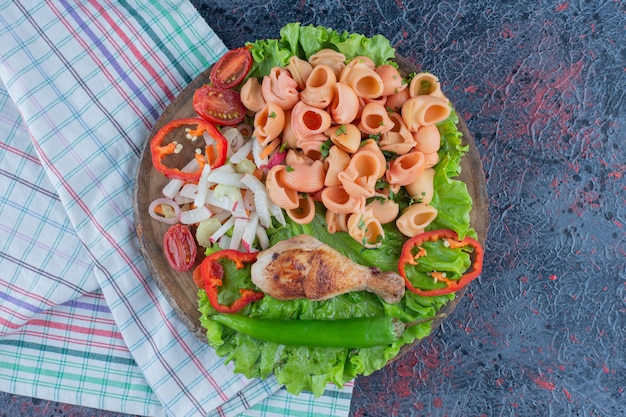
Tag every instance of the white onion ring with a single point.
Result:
(166, 201)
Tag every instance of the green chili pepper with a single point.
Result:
(341, 333)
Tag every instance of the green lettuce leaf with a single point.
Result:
(304, 41)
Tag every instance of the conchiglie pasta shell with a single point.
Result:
(399, 139)
(315, 139)
(308, 120)
(289, 137)
(406, 168)
(334, 59)
(395, 101)
(251, 95)
(424, 111)
(366, 162)
(269, 123)
(427, 139)
(283, 196)
(375, 119)
(359, 186)
(425, 83)
(391, 78)
(336, 162)
(299, 70)
(396, 143)
(280, 88)
(382, 100)
(360, 176)
(431, 159)
(365, 228)
(385, 211)
(336, 222)
(312, 146)
(415, 218)
(305, 178)
(305, 212)
(364, 81)
(295, 157)
(345, 105)
(320, 87)
(336, 199)
(422, 189)
(371, 146)
(363, 60)
(347, 137)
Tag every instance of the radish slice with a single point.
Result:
(202, 186)
(238, 229)
(224, 242)
(261, 199)
(256, 154)
(195, 215)
(261, 235)
(222, 230)
(247, 238)
(172, 187)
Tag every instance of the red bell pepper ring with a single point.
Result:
(212, 273)
(407, 257)
(159, 151)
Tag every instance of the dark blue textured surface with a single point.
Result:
(541, 86)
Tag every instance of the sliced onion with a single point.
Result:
(220, 201)
(195, 215)
(180, 200)
(242, 153)
(225, 168)
(245, 130)
(168, 202)
(234, 137)
(226, 178)
(189, 190)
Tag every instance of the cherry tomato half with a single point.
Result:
(231, 68)
(179, 247)
(218, 105)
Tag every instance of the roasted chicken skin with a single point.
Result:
(304, 267)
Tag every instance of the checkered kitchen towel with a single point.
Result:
(81, 321)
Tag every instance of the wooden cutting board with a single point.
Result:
(177, 287)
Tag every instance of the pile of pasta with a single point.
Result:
(353, 134)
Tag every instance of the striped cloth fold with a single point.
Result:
(81, 320)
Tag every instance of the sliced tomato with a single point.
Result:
(231, 68)
(219, 105)
(179, 247)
